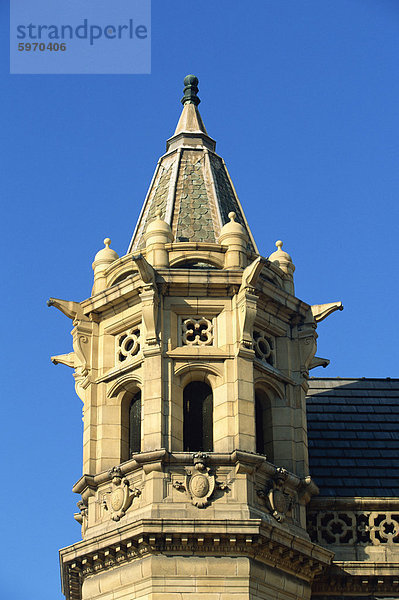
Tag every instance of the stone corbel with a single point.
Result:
(149, 299)
(307, 343)
(308, 347)
(322, 311)
(82, 516)
(81, 337)
(149, 308)
(247, 302)
(246, 306)
(81, 340)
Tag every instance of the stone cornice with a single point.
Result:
(355, 503)
(363, 578)
(157, 460)
(191, 282)
(253, 538)
(183, 247)
(269, 370)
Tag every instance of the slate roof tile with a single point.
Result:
(353, 426)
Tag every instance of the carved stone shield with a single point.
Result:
(200, 486)
(281, 502)
(117, 499)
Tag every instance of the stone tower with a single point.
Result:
(191, 358)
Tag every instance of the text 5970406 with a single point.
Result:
(41, 47)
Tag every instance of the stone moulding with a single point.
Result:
(220, 283)
(251, 538)
(156, 460)
(346, 578)
(221, 477)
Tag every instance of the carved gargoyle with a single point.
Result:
(145, 270)
(308, 336)
(251, 274)
(79, 359)
(322, 311)
(72, 310)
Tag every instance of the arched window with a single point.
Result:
(135, 424)
(198, 417)
(263, 425)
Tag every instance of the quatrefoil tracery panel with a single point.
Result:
(197, 331)
(338, 528)
(384, 528)
(127, 345)
(264, 346)
(354, 527)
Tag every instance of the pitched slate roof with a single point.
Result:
(191, 185)
(353, 432)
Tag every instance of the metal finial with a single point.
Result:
(190, 90)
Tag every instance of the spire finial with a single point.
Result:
(190, 90)
(107, 242)
(279, 244)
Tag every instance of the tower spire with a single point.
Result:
(191, 186)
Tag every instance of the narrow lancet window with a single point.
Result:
(198, 417)
(135, 424)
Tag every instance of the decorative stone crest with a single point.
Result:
(278, 502)
(200, 482)
(197, 331)
(121, 496)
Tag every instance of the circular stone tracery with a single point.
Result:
(128, 344)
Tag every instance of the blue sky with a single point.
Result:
(302, 97)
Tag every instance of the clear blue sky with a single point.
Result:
(302, 97)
